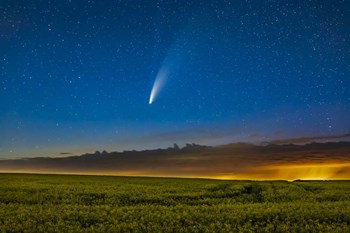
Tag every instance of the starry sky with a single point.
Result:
(76, 76)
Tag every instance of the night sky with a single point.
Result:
(76, 76)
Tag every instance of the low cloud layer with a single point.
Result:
(304, 140)
(234, 161)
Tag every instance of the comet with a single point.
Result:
(158, 83)
(171, 64)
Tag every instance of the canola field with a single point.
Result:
(72, 203)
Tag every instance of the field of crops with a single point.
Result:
(64, 203)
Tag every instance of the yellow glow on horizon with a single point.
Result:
(290, 172)
(315, 171)
(337, 171)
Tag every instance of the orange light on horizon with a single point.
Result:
(334, 170)
(337, 171)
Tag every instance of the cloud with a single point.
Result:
(234, 161)
(304, 140)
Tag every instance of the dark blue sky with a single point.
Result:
(76, 76)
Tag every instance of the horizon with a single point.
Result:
(171, 177)
(327, 160)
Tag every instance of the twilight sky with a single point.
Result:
(76, 76)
